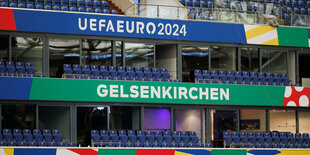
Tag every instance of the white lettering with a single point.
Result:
(182, 92)
(134, 91)
(214, 93)
(201, 93)
(85, 24)
(113, 90)
(122, 92)
(225, 94)
(194, 97)
(155, 92)
(92, 24)
(128, 26)
(120, 26)
(101, 24)
(144, 91)
(148, 28)
(110, 26)
(102, 90)
(166, 92)
(140, 27)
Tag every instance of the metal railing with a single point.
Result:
(220, 13)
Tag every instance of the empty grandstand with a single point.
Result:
(154, 77)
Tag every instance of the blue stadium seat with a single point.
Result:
(123, 136)
(30, 4)
(260, 138)
(65, 7)
(112, 71)
(184, 137)
(138, 144)
(81, 8)
(305, 137)
(10, 67)
(39, 4)
(238, 76)
(150, 136)
(13, 3)
(244, 138)
(4, 3)
(175, 145)
(56, 6)
(159, 137)
(98, 9)
(48, 6)
(27, 134)
(141, 136)
(104, 71)
(42, 144)
(298, 138)
(11, 143)
(193, 137)
(37, 135)
(227, 139)
(76, 69)
(183, 145)
(7, 134)
(157, 144)
(86, 70)
(262, 77)
(167, 137)
(113, 136)
(197, 74)
(148, 73)
(275, 138)
(132, 136)
(114, 12)
(2, 67)
(268, 138)
(156, 73)
(235, 137)
(72, 7)
(121, 72)
(47, 135)
(283, 138)
(283, 146)
(176, 136)
(95, 70)
(206, 75)
(106, 11)
(199, 145)
(89, 8)
(104, 136)
(192, 145)
(291, 138)
(139, 72)
(164, 73)
(20, 67)
(18, 136)
(57, 136)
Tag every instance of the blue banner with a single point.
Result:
(121, 26)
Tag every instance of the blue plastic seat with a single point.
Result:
(4, 3)
(104, 136)
(7, 134)
(260, 138)
(21, 143)
(47, 135)
(123, 136)
(197, 74)
(57, 136)
(184, 137)
(148, 73)
(32, 143)
(167, 137)
(86, 70)
(71, 144)
(156, 73)
(141, 136)
(81, 8)
(193, 137)
(298, 138)
(112, 71)
(42, 144)
(132, 136)
(114, 12)
(283, 138)
(10, 66)
(113, 136)
(121, 72)
(51, 144)
(252, 138)
(89, 8)
(61, 144)
(275, 138)
(13, 3)
(244, 138)
(227, 139)
(305, 137)
(11, 143)
(159, 137)
(175, 145)
(176, 136)
(37, 135)
(104, 71)
(65, 7)
(98, 9)
(235, 137)
(106, 11)
(17, 133)
(150, 136)
(72, 7)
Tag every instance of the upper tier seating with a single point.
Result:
(252, 78)
(131, 138)
(116, 73)
(18, 69)
(18, 137)
(294, 12)
(94, 6)
(266, 140)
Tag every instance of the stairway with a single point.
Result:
(114, 7)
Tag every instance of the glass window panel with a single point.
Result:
(90, 118)
(253, 120)
(304, 119)
(156, 119)
(274, 61)
(55, 117)
(26, 49)
(223, 58)
(249, 59)
(18, 116)
(119, 48)
(125, 118)
(139, 55)
(188, 120)
(304, 63)
(194, 57)
(283, 120)
(96, 52)
(63, 51)
(4, 48)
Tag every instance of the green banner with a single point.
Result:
(155, 92)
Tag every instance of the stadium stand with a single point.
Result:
(18, 137)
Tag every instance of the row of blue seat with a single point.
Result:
(43, 144)
(143, 137)
(237, 77)
(19, 68)
(64, 5)
(117, 72)
(239, 138)
(26, 136)
(174, 145)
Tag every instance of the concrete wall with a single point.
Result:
(283, 121)
(188, 120)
